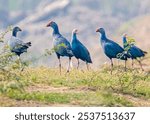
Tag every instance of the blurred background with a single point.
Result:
(116, 16)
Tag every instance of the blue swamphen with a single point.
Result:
(79, 50)
(133, 50)
(111, 48)
(16, 45)
(62, 46)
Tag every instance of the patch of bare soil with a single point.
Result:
(50, 89)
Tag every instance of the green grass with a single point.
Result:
(41, 86)
(80, 99)
(88, 88)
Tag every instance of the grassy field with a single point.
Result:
(44, 86)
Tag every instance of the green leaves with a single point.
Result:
(54, 49)
(2, 35)
(130, 40)
(9, 64)
(128, 45)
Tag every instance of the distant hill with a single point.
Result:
(86, 15)
(138, 28)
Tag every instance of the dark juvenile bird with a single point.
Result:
(133, 50)
(62, 46)
(16, 45)
(111, 48)
(79, 50)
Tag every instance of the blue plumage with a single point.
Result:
(16, 45)
(111, 48)
(79, 50)
(62, 45)
(133, 50)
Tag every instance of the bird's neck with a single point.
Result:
(74, 37)
(14, 33)
(55, 30)
(125, 42)
(103, 37)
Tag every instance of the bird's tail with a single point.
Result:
(145, 52)
(28, 44)
(90, 60)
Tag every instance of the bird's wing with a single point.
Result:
(121, 53)
(109, 50)
(16, 43)
(80, 51)
(137, 52)
(113, 50)
(84, 52)
(117, 46)
(63, 45)
(140, 49)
